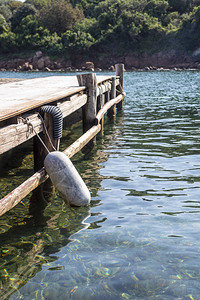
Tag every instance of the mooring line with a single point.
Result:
(45, 128)
(28, 122)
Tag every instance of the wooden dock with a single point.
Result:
(20, 119)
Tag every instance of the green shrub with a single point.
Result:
(5, 11)
(77, 41)
(7, 42)
(4, 27)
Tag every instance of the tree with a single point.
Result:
(38, 4)
(23, 11)
(5, 11)
(59, 16)
(77, 41)
(7, 42)
(156, 8)
(13, 5)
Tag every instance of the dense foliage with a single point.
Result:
(91, 26)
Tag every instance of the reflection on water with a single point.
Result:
(139, 239)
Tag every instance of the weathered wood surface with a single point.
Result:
(111, 111)
(16, 134)
(7, 80)
(13, 135)
(89, 110)
(22, 96)
(14, 197)
(74, 103)
(107, 106)
(120, 72)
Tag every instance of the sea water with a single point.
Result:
(140, 237)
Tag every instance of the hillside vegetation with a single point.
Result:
(85, 27)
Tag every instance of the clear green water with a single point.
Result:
(139, 239)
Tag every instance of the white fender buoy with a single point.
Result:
(66, 179)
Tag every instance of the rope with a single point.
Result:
(29, 124)
(45, 128)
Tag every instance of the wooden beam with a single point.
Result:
(13, 135)
(74, 103)
(108, 105)
(100, 104)
(82, 141)
(111, 111)
(120, 72)
(105, 87)
(89, 110)
(14, 197)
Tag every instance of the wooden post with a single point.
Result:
(120, 72)
(39, 150)
(37, 198)
(111, 111)
(89, 109)
(100, 104)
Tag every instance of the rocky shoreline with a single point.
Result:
(159, 61)
(40, 62)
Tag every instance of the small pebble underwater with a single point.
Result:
(140, 236)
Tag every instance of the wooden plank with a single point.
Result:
(19, 97)
(13, 135)
(22, 96)
(103, 78)
(104, 87)
(74, 103)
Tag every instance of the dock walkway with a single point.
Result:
(20, 119)
(22, 96)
